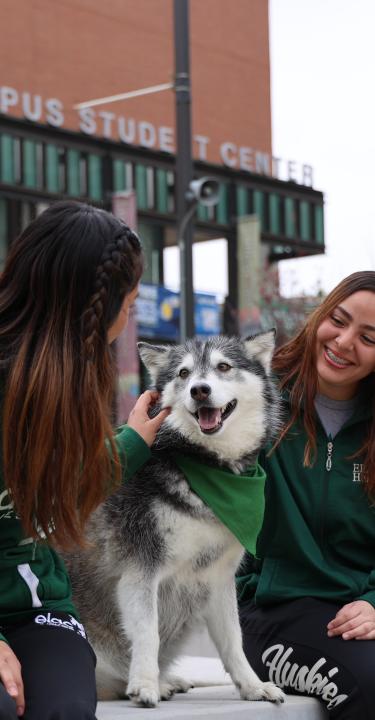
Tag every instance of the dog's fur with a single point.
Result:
(159, 559)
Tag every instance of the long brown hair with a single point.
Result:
(63, 285)
(295, 364)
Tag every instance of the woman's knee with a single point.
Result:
(74, 710)
(8, 710)
(59, 709)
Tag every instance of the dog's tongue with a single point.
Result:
(209, 417)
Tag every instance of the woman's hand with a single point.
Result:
(355, 621)
(140, 421)
(10, 675)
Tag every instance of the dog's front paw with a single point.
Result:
(143, 694)
(171, 685)
(262, 691)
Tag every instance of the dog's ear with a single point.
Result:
(153, 357)
(260, 347)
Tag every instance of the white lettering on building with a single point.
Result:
(144, 133)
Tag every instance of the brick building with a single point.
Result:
(55, 55)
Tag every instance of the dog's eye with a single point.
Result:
(184, 372)
(223, 367)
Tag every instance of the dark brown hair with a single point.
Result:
(295, 364)
(65, 279)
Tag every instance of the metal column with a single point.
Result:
(184, 165)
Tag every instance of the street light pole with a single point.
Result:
(184, 166)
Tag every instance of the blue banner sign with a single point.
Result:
(158, 313)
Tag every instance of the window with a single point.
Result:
(7, 173)
(141, 186)
(162, 190)
(150, 186)
(152, 242)
(32, 164)
(260, 208)
(17, 155)
(319, 224)
(122, 175)
(119, 177)
(242, 200)
(275, 214)
(83, 173)
(95, 173)
(145, 187)
(222, 211)
(52, 168)
(305, 220)
(73, 172)
(290, 217)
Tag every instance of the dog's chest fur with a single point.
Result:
(166, 528)
(157, 532)
(198, 550)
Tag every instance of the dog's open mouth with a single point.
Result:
(211, 419)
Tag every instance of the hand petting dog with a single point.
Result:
(139, 418)
(355, 621)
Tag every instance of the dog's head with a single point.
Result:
(220, 391)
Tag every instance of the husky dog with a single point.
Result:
(159, 559)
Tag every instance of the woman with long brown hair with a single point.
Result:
(309, 595)
(65, 295)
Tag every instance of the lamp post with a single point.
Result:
(184, 166)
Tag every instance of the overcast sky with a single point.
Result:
(323, 113)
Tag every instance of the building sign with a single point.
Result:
(158, 313)
(110, 125)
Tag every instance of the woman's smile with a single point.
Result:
(336, 360)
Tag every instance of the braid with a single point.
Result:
(121, 260)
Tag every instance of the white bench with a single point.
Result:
(219, 699)
(213, 694)
(215, 701)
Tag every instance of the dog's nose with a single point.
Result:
(200, 392)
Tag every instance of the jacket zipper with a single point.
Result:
(328, 468)
(329, 455)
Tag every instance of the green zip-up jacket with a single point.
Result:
(318, 533)
(33, 576)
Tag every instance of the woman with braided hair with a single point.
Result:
(68, 284)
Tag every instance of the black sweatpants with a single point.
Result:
(58, 669)
(288, 644)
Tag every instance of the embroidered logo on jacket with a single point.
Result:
(357, 472)
(304, 679)
(6, 506)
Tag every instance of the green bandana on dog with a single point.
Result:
(237, 500)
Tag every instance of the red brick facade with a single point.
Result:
(75, 50)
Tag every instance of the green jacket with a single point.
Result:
(318, 532)
(33, 576)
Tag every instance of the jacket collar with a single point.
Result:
(364, 410)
